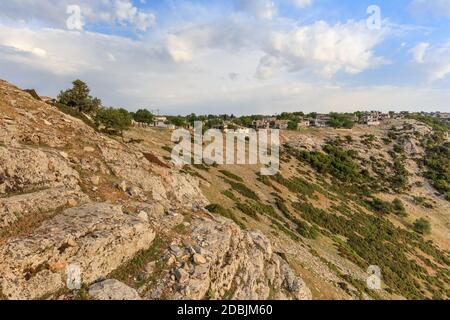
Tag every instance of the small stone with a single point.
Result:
(72, 203)
(175, 248)
(199, 259)
(143, 216)
(171, 260)
(123, 186)
(55, 266)
(134, 191)
(150, 267)
(95, 180)
(71, 243)
(89, 149)
(181, 275)
(64, 155)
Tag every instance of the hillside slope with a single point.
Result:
(74, 199)
(344, 200)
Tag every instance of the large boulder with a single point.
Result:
(235, 264)
(20, 206)
(96, 238)
(26, 169)
(112, 290)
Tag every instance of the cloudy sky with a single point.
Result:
(235, 56)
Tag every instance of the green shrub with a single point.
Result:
(230, 195)
(231, 175)
(422, 226)
(115, 121)
(296, 185)
(144, 116)
(399, 207)
(242, 189)
(227, 213)
(247, 209)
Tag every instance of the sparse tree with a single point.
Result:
(115, 121)
(144, 116)
(78, 97)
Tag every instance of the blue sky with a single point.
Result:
(236, 56)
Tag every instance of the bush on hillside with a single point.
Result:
(115, 121)
(79, 98)
(143, 116)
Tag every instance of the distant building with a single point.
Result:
(160, 122)
(373, 118)
(280, 124)
(140, 124)
(261, 124)
(318, 122)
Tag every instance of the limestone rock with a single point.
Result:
(105, 237)
(199, 259)
(113, 290)
(95, 180)
(234, 260)
(16, 207)
(89, 149)
(24, 169)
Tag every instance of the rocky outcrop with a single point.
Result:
(102, 202)
(112, 290)
(96, 237)
(162, 184)
(20, 206)
(24, 169)
(219, 260)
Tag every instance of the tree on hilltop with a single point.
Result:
(79, 98)
(144, 116)
(114, 120)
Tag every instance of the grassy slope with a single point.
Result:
(327, 233)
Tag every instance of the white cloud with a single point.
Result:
(202, 67)
(323, 49)
(54, 12)
(434, 60)
(179, 50)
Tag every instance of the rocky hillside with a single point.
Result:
(344, 200)
(138, 228)
(134, 226)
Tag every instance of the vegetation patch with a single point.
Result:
(227, 213)
(231, 175)
(242, 189)
(133, 272)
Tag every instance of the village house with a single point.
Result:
(319, 123)
(280, 124)
(265, 123)
(160, 122)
